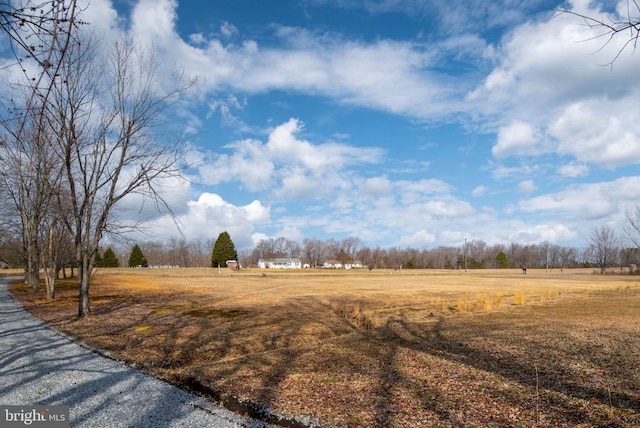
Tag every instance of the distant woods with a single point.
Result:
(602, 249)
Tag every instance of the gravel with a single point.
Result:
(40, 366)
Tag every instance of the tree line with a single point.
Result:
(603, 249)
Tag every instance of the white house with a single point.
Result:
(356, 264)
(332, 264)
(280, 263)
(336, 264)
(4, 265)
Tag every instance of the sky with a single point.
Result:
(415, 123)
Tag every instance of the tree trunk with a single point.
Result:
(84, 279)
(32, 269)
(50, 268)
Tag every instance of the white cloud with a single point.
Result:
(573, 169)
(590, 134)
(154, 22)
(479, 191)
(552, 92)
(518, 139)
(499, 171)
(228, 30)
(415, 191)
(287, 165)
(197, 38)
(526, 186)
(246, 164)
(592, 201)
(210, 215)
(447, 208)
(375, 186)
(419, 239)
(101, 16)
(542, 233)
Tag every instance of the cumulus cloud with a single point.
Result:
(518, 138)
(286, 165)
(550, 93)
(209, 215)
(526, 186)
(419, 239)
(544, 233)
(591, 201)
(592, 135)
(573, 169)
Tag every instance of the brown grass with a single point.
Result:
(399, 348)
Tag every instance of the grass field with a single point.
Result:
(380, 348)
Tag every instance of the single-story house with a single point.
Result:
(336, 264)
(332, 264)
(356, 264)
(4, 265)
(280, 263)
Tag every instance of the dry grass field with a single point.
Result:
(377, 348)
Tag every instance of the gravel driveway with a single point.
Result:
(41, 366)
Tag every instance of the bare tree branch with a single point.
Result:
(612, 29)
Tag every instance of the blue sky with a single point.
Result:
(409, 123)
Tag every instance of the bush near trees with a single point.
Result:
(223, 250)
(136, 258)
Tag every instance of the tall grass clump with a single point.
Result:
(499, 298)
(464, 304)
(484, 302)
(547, 294)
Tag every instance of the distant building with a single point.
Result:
(280, 263)
(336, 264)
(232, 264)
(4, 265)
(356, 264)
(332, 264)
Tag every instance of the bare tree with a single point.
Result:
(28, 175)
(610, 28)
(603, 246)
(39, 35)
(350, 247)
(314, 251)
(277, 247)
(632, 229)
(106, 142)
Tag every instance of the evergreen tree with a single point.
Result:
(136, 258)
(99, 262)
(503, 260)
(223, 250)
(109, 258)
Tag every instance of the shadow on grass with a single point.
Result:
(558, 388)
(199, 345)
